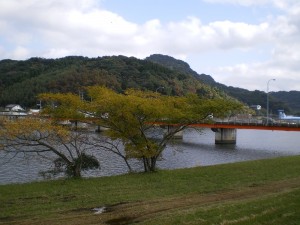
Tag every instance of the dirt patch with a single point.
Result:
(8, 219)
(68, 198)
(111, 208)
(121, 221)
(24, 199)
(81, 210)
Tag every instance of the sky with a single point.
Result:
(240, 43)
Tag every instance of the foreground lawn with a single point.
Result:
(256, 192)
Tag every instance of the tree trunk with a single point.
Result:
(149, 164)
(128, 165)
(77, 173)
(153, 164)
(76, 170)
(146, 164)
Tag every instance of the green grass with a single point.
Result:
(166, 194)
(276, 209)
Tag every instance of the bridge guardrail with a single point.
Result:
(255, 122)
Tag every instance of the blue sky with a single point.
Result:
(241, 43)
(168, 10)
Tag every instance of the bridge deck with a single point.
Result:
(253, 126)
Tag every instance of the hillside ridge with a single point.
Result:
(289, 101)
(22, 81)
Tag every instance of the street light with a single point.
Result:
(268, 100)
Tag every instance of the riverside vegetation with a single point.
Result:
(131, 118)
(254, 192)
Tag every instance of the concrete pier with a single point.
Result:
(225, 136)
(100, 129)
(177, 135)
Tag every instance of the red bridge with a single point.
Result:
(248, 125)
(225, 132)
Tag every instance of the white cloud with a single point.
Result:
(56, 28)
(255, 76)
(83, 28)
(20, 53)
(282, 33)
(242, 35)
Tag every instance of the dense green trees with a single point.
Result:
(22, 81)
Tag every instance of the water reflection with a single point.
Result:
(194, 150)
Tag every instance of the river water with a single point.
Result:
(194, 149)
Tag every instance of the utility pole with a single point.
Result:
(268, 99)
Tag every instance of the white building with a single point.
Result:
(13, 111)
(13, 108)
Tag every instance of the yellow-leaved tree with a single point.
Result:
(46, 138)
(133, 117)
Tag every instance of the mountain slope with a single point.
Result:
(22, 81)
(292, 99)
(248, 97)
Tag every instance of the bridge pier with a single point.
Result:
(100, 129)
(225, 136)
(171, 129)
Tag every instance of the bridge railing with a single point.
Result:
(260, 122)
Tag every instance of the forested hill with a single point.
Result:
(179, 65)
(22, 81)
(292, 98)
(289, 101)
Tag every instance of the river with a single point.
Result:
(193, 150)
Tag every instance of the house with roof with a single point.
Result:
(13, 108)
(13, 111)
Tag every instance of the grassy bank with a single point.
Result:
(256, 192)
